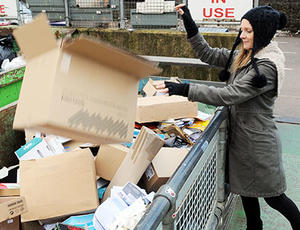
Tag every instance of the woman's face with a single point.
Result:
(247, 34)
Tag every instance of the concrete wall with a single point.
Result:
(291, 8)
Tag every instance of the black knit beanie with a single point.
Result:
(264, 21)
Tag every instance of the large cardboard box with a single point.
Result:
(130, 165)
(162, 167)
(11, 207)
(59, 185)
(160, 108)
(85, 90)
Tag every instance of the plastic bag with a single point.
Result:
(7, 49)
(13, 64)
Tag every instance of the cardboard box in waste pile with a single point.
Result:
(59, 185)
(162, 167)
(130, 165)
(11, 207)
(109, 159)
(9, 189)
(85, 90)
(150, 88)
(160, 108)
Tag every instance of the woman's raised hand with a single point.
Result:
(179, 10)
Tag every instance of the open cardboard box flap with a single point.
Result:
(102, 52)
(35, 38)
(107, 55)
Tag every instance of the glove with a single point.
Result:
(189, 24)
(177, 89)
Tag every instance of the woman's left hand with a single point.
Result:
(162, 88)
(172, 88)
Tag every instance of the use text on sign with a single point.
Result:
(219, 9)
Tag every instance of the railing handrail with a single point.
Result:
(165, 60)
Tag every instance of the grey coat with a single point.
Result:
(255, 155)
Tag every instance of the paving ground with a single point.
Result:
(290, 135)
(288, 104)
(287, 110)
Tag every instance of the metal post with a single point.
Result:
(19, 12)
(67, 13)
(256, 3)
(122, 18)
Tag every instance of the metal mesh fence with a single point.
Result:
(125, 14)
(152, 14)
(198, 203)
(79, 13)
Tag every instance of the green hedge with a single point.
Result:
(160, 43)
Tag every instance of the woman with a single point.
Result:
(253, 75)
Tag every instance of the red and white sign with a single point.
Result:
(8, 9)
(219, 9)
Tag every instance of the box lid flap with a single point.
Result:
(112, 56)
(36, 37)
(167, 160)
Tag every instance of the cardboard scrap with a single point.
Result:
(173, 129)
(136, 160)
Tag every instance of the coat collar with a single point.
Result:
(274, 54)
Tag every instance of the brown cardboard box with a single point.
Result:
(59, 185)
(109, 159)
(129, 165)
(85, 90)
(11, 224)
(12, 189)
(160, 108)
(162, 167)
(11, 207)
(150, 87)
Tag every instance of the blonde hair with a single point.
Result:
(242, 59)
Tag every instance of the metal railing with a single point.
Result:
(194, 197)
